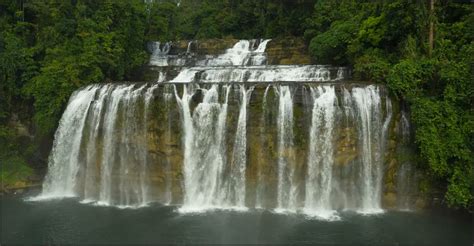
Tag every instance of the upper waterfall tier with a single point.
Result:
(245, 61)
(244, 52)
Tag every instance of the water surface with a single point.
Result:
(68, 221)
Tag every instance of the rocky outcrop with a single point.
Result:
(287, 51)
(202, 47)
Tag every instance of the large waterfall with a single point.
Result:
(227, 132)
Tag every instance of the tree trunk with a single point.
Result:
(431, 35)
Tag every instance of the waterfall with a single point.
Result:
(204, 142)
(109, 149)
(321, 152)
(60, 180)
(244, 62)
(242, 53)
(287, 190)
(161, 77)
(188, 49)
(369, 116)
(258, 56)
(209, 182)
(234, 189)
(298, 146)
(94, 145)
(90, 191)
(159, 53)
(124, 149)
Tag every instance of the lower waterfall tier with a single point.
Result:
(309, 147)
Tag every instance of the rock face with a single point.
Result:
(288, 51)
(205, 47)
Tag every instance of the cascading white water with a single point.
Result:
(369, 118)
(90, 191)
(239, 55)
(188, 49)
(210, 179)
(259, 57)
(99, 150)
(60, 180)
(321, 153)
(268, 73)
(160, 56)
(234, 187)
(241, 63)
(204, 142)
(161, 77)
(110, 149)
(287, 190)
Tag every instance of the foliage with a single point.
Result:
(386, 42)
(329, 46)
(59, 46)
(50, 48)
(14, 169)
(372, 65)
(204, 19)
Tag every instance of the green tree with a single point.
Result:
(386, 42)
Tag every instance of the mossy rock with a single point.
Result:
(345, 159)
(286, 51)
(389, 200)
(420, 203)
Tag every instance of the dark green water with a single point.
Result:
(67, 221)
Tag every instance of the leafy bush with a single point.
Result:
(330, 46)
(372, 66)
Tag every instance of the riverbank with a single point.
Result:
(19, 188)
(19, 178)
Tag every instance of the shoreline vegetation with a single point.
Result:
(421, 50)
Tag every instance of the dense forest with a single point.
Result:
(422, 50)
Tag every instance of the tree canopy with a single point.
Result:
(388, 42)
